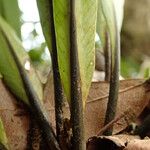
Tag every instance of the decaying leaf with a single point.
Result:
(105, 143)
(138, 144)
(118, 142)
(134, 95)
(131, 97)
(16, 126)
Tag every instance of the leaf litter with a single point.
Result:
(134, 97)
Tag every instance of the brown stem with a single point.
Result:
(107, 54)
(35, 106)
(114, 83)
(76, 98)
(58, 91)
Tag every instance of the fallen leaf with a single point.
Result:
(105, 143)
(16, 127)
(133, 95)
(115, 142)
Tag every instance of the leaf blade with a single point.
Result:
(86, 13)
(9, 9)
(62, 27)
(8, 67)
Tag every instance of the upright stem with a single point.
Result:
(76, 95)
(114, 85)
(35, 106)
(59, 97)
(107, 54)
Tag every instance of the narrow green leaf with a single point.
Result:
(44, 12)
(86, 26)
(9, 10)
(86, 14)
(8, 67)
(3, 137)
(113, 30)
(61, 21)
(119, 9)
(109, 14)
(101, 20)
(101, 24)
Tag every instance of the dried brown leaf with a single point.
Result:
(116, 142)
(105, 143)
(133, 96)
(16, 126)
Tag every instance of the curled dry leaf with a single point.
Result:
(105, 142)
(138, 144)
(133, 96)
(117, 142)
